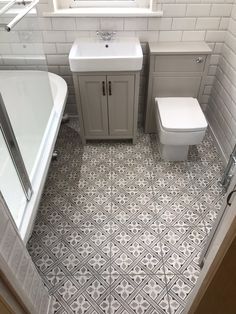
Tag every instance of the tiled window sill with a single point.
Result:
(104, 12)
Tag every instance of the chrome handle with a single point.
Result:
(229, 197)
(109, 88)
(199, 60)
(103, 88)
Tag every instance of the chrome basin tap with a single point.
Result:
(106, 35)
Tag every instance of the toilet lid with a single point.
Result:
(180, 114)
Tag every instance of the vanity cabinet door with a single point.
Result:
(120, 104)
(94, 105)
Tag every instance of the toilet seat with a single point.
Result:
(180, 114)
(180, 123)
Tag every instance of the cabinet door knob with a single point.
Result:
(199, 60)
(109, 88)
(103, 88)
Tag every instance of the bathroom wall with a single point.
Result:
(183, 20)
(221, 111)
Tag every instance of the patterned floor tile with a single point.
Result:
(181, 248)
(56, 306)
(119, 230)
(138, 294)
(141, 250)
(134, 216)
(45, 251)
(54, 277)
(179, 288)
(82, 294)
(85, 257)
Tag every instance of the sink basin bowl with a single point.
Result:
(94, 54)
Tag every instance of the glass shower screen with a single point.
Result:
(27, 97)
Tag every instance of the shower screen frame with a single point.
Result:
(14, 151)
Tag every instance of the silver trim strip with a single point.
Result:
(14, 150)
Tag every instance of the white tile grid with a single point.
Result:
(182, 21)
(222, 108)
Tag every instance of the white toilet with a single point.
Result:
(180, 123)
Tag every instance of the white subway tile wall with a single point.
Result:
(221, 111)
(183, 20)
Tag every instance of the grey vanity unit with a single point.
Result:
(107, 104)
(175, 70)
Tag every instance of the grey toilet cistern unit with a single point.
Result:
(177, 75)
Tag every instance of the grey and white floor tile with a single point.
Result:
(118, 230)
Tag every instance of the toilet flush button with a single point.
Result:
(199, 60)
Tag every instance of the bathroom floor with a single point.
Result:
(118, 230)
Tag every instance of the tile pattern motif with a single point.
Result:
(118, 230)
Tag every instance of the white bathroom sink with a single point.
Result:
(94, 54)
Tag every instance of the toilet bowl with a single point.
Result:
(180, 123)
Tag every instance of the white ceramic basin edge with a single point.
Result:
(94, 54)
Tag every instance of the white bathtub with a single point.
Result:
(35, 101)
